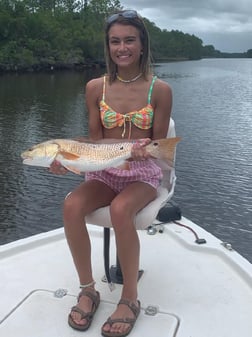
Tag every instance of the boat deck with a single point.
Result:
(187, 290)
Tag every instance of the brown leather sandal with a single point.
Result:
(88, 316)
(131, 321)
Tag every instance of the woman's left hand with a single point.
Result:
(138, 151)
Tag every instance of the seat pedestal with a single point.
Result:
(116, 273)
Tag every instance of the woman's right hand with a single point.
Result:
(57, 168)
(138, 151)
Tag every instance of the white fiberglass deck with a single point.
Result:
(198, 290)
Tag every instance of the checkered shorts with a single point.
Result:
(117, 179)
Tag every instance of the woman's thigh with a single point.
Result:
(90, 195)
(132, 199)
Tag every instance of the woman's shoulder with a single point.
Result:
(161, 86)
(95, 83)
(94, 88)
(160, 82)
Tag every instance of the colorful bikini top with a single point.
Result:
(143, 118)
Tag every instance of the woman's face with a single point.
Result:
(124, 45)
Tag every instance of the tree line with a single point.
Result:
(41, 34)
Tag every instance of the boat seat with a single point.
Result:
(143, 219)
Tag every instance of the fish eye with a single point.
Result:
(155, 144)
(121, 148)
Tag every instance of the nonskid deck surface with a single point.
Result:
(197, 290)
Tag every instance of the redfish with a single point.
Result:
(80, 157)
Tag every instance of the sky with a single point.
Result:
(225, 24)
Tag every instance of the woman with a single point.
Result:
(129, 102)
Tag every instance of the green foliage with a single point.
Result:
(36, 34)
(249, 53)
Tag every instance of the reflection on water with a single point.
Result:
(212, 109)
(214, 163)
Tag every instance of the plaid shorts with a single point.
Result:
(117, 179)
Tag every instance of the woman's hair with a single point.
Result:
(132, 18)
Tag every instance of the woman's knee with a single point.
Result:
(120, 212)
(74, 206)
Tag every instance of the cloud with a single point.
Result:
(226, 24)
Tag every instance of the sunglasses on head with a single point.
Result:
(128, 14)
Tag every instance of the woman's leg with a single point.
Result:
(87, 197)
(123, 211)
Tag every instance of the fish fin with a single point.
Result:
(124, 166)
(163, 148)
(68, 155)
(73, 170)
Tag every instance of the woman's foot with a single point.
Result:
(81, 315)
(121, 322)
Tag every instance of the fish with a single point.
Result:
(80, 157)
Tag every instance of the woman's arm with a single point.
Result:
(162, 103)
(93, 96)
(93, 89)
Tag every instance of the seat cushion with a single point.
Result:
(144, 218)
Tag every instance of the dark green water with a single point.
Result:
(213, 114)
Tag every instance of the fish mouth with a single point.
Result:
(25, 156)
(26, 160)
(37, 162)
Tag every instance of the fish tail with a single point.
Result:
(163, 148)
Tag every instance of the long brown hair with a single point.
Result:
(138, 23)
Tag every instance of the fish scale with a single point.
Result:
(95, 151)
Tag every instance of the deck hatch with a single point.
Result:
(41, 314)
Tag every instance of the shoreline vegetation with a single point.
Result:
(54, 35)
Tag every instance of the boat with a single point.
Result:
(188, 288)
(191, 284)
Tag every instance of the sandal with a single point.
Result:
(131, 321)
(88, 316)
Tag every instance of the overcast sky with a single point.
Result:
(225, 24)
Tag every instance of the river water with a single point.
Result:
(213, 114)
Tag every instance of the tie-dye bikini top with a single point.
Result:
(143, 118)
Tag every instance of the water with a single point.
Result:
(213, 114)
